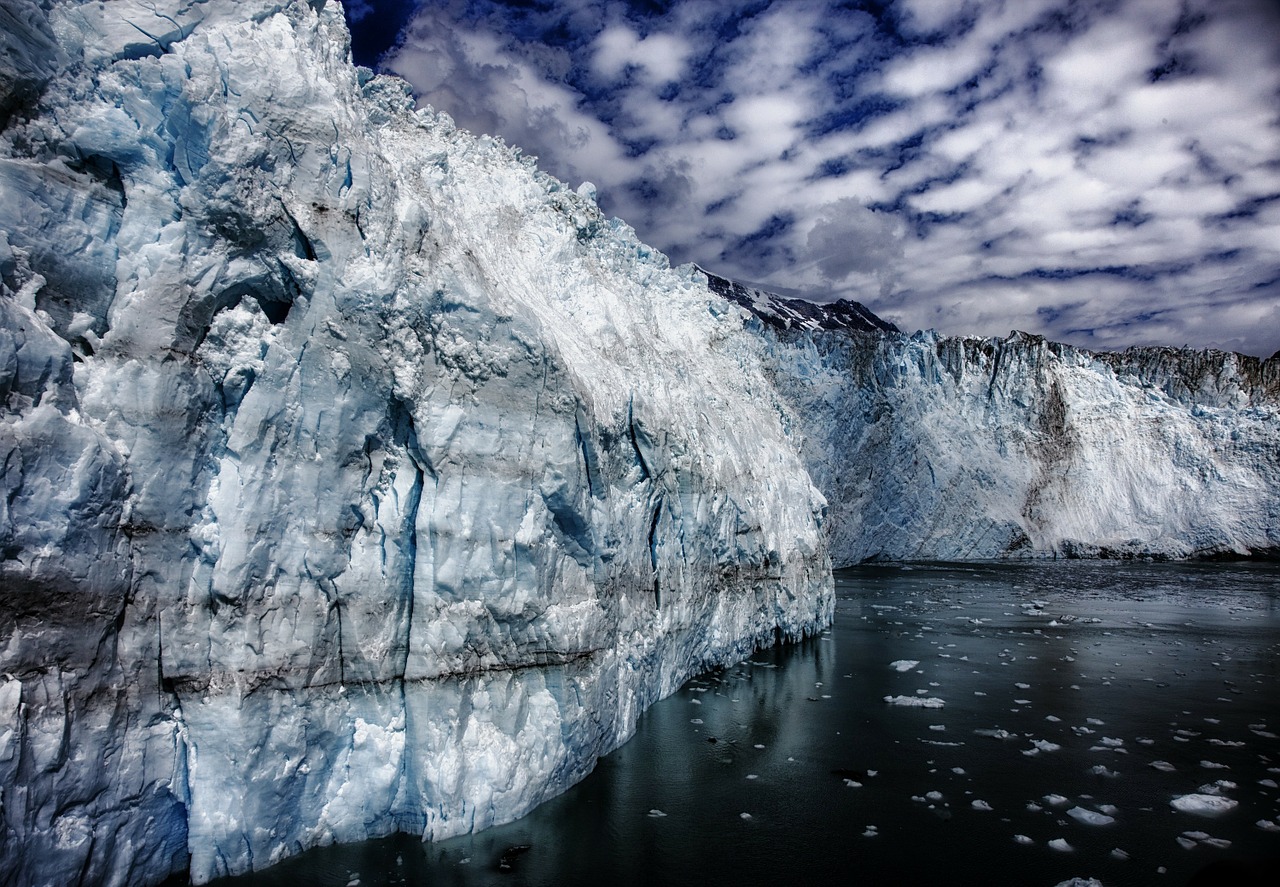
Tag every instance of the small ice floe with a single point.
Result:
(871, 832)
(981, 805)
(655, 813)
(1226, 743)
(696, 701)
(1090, 817)
(695, 720)
(1053, 719)
(853, 783)
(1101, 770)
(1221, 787)
(1080, 882)
(938, 727)
(997, 733)
(1061, 845)
(758, 745)
(1267, 825)
(1033, 807)
(1212, 765)
(1119, 854)
(1023, 839)
(1045, 745)
(1095, 722)
(958, 771)
(1055, 800)
(1202, 804)
(916, 701)
(1164, 766)
(1022, 702)
(753, 776)
(744, 816)
(1202, 837)
(1111, 743)
(1268, 783)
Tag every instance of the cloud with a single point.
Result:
(1105, 172)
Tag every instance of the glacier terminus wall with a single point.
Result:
(357, 476)
(931, 447)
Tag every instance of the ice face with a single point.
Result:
(359, 476)
(943, 448)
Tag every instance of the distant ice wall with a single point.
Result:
(357, 475)
(941, 448)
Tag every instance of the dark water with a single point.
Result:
(792, 769)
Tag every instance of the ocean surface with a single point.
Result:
(1119, 721)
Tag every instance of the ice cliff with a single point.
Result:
(357, 476)
(946, 448)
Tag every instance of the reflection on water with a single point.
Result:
(1079, 700)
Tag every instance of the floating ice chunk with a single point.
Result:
(1061, 845)
(1045, 745)
(1023, 839)
(871, 832)
(998, 733)
(744, 815)
(1268, 783)
(1090, 817)
(655, 813)
(904, 664)
(1119, 854)
(938, 727)
(1055, 800)
(1053, 719)
(1164, 766)
(1112, 743)
(1021, 686)
(1022, 702)
(1080, 882)
(934, 796)
(1212, 765)
(1095, 722)
(1267, 825)
(1202, 804)
(853, 783)
(696, 701)
(916, 701)
(958, 771)
(980, 805)
(1033, 807)
(1101, 770)
(695, 720)
(1185, 843)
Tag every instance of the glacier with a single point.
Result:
(360, 477)
(952, 448)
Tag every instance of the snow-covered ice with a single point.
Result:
(1202, 804)
(915, 701)
(1090, 817)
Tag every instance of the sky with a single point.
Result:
(1101, 172)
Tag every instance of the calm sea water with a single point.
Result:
(1073, 693)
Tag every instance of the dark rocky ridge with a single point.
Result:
(783, 313)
